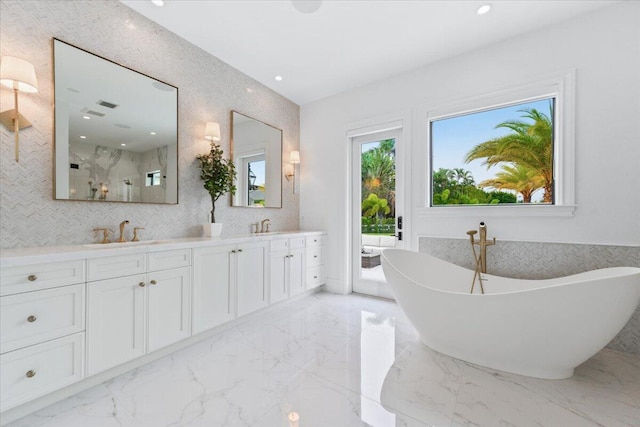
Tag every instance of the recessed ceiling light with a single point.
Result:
(158, 3)
(83, 137)
(152, 133)
(279, 78)
(86, 117)
(123, 144)
(485, 8)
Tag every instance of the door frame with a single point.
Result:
(396, 129)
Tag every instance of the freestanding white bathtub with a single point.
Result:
(538, 328)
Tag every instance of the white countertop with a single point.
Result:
(40, 254)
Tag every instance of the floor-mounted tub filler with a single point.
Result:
(537, 328)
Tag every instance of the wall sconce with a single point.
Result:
(212, 131)
(19, 75)
(294, 159)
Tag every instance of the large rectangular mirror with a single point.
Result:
(116, 131)
(256, 150)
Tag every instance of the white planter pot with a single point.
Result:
(212, 229)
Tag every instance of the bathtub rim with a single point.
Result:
(550, 283)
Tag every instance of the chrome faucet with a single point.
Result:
(122, 224)
(262, 227)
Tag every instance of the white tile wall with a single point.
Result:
(208, 90)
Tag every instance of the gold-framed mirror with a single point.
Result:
(116, 131)
(256, 150)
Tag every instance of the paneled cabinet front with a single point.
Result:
(251, 259)
(116, 320)
(130, 316)
(228, 280)
(287, 268)
(213, 280)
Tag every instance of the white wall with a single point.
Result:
(604, 49)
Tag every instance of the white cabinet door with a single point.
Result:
(169, 306)
(115, 321)
(296, 271)
(278, 276)
(251, 280)
(213, 279)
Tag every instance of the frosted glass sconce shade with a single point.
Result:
(212, 131)
(294, 157)
(16, 73)
(19, 75)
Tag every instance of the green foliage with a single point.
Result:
(529, 146)
(379, 173)
(502, 197)
(457, 187)
(373, 206)
(218, 175)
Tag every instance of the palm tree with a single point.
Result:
(379, 172)
(530, 145)
(518, 178)
(373, 206)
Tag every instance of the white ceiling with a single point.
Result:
(348, 43)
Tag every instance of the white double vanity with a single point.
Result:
(74, 316)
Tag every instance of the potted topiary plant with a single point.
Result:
(219, 176)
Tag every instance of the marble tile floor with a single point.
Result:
(344, 361)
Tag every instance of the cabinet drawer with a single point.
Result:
(280, 245)
(314, 256)
(166, 260)
(35, 277)
(115, 266)
(33, 317)
(297, 242)
(40, 369)
(315, 277)
(315, 240)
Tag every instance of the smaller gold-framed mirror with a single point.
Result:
(256, 150)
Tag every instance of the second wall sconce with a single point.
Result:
(212, 131)
(294, 159)
(19, 75)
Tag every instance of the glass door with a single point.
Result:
(376, 203)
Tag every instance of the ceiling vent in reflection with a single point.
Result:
(93, 113)
(107, 104)
(123, 126)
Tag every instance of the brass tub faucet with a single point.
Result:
(480, 259)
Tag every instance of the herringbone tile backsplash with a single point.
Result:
(536, 260)
(208, 90)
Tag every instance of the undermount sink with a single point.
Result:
(113, 245)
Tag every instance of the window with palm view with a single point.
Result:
(494, 156)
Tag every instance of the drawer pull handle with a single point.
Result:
(31, 319)
(31, 373)
(315, 277)
(32, 278)
(153, 282)
(233, 251)
(315, 256)
(239, 250)
(141, 284)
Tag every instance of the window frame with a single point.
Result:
(559, 86)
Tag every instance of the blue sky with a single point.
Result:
(452, 138)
